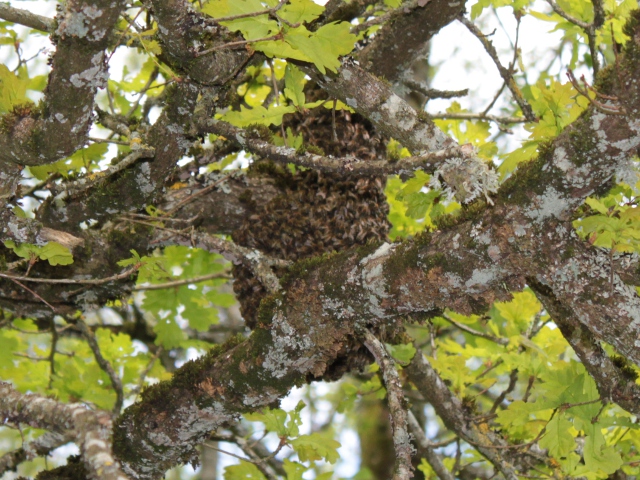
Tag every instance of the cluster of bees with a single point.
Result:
(316, 212)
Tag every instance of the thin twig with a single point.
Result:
(590, 29)
(432, 92)
(266, 470)
(143, 375)
(513, 379)
(478, 116)
(584, 91)
(52, 353)
(184, 281)
(192, 197)
(145, 89)
(107, 140)
(104, 364)
(66, 281)
(426, 448)
(256, 261)
(428, 162)
(505, 73)
(39, 447)
(97, 178)
(487, 336)
(17, 282)
(278, 36)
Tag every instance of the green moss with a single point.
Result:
(469, 404)
(423, 238)
(246, 197)
(632, 24)
(528, 179)
(261, 132)
(315, 150)
(73, 470)
(582, 141)
(9, 120)
(628, 372)
(468, 212)
(302, 268)
(405, 256)
(265, 311)
(435, 260)
(568, 253)
(606, 80)
(424, 116)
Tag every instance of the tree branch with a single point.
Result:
(104, 364)
(428, 162)
(403, 470)
(615, 382)
(505, 73)
(450, 410)
(404, 39)
(91, 430)
(376, 101)
(425, 449)
(76, 74)
(41, 446)
(26, 18)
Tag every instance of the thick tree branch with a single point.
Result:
(38, 137)
(377, 101)
(26, 18)
(181, 27)
(615, 382)
(143, 182)
(403, 470)
(405, 39)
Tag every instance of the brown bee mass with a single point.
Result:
(317, 212)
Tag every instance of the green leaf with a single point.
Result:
(557, 437)
(419, 203)
(243, 471)
(519, 413)
(325, 45)
(168, 334)
(294, 85)
(87, 158)
(8, 345)
(294, 469)
(273, 420)
(53, 252)
(12, 89)
(316, 446)
(300, 11)
(402, 353)
(597, 455)
(56, 254)
(295, 421)
(596, 205)
(258, 114)
(519, 312)
(251, 27)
